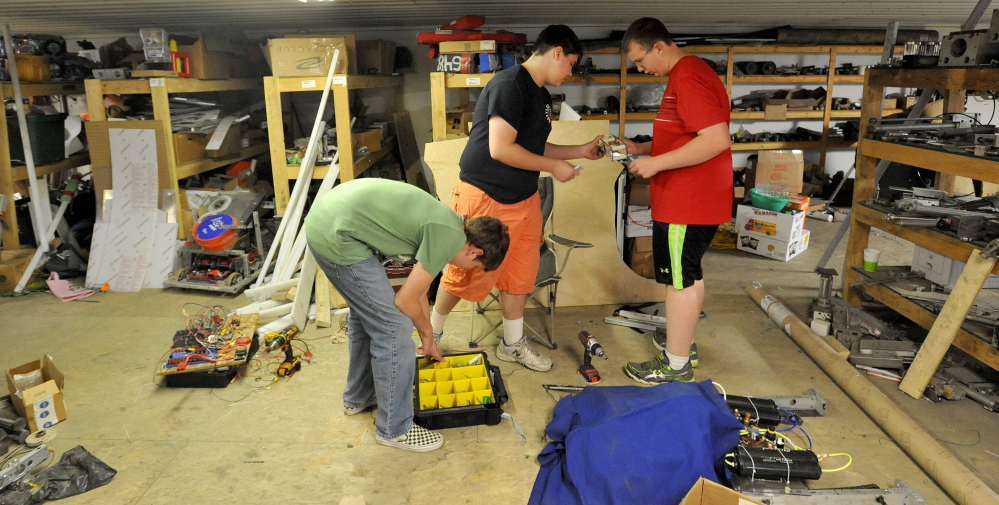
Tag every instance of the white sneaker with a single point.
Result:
(351, 411)
(417, 439)
(523, 352)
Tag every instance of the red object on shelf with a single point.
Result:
(463, 28)
(181, 63)
(467, 22)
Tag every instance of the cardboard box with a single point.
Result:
(769, 247)
(783, 167)
(375, 57)
(308, 56)
(638, 222)
(231, 142)
(372, 139)
(640, 257)
(767, 223)
(467, 46)
(465, 63)
(800, 203)
(37, 399)
(640, 192)
(189, 146)
(207, 64)
(706, 492)
(459, 121)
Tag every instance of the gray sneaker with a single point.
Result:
(352, 411)
(658, 371)
(523, 352)
(417, 439)
(659, 340)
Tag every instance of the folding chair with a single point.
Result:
(549, 271)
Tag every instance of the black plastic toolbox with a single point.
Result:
(463, 391)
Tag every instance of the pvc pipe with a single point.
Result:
(42, 215)
(935, 459)
(298, 193)
(72, 186)
(263, 293)
(300, 241)
(257, 306)
(277, 311)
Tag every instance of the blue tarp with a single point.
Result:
(635, 445)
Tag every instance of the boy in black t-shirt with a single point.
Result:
(507, 149)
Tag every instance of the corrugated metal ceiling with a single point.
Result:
(93, 17)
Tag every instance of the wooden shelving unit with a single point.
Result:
(9, 173)
(440, 82)
(864, 217)
(160, 89)
(350, 167)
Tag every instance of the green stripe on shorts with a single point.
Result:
(677, 232)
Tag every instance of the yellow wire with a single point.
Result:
(837, 454)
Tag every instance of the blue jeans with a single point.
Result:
(380, 339)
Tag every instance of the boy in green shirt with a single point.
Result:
(345, 229)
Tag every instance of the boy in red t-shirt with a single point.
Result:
(690, 167)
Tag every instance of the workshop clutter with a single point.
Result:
(36, 393)
(46, 132)
(706, 492)
(464, 390)
(773, 234)
(460, 48)
(638, 222)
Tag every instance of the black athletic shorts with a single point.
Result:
(677, 250)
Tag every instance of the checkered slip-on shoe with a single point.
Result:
(417, 439)
(352, 411)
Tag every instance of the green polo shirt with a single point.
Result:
(396, 219)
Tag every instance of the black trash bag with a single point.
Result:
(77, 472)
(67, 262)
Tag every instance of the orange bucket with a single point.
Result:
(215, 232)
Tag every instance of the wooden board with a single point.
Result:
(584, 210)
(245, 326)
(323, 317)
(947, 324)
(100, 153)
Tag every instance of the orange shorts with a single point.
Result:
(519, 270)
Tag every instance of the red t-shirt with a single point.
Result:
(699, 194)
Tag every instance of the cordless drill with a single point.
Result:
(282, 341)
(590, 348)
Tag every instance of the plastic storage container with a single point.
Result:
(464, 391)
(47, 133)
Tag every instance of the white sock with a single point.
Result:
(437, 321)
(513, 330)
(676, 362)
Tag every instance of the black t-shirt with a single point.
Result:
(514, 96)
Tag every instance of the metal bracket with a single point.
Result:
(808, 405)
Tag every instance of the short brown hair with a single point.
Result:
(558, 36)
(645, 32)
(490, 235)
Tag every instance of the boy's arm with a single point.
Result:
(503, 147)
(710, 142)
(412, 301)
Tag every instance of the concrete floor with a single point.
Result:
(263, 441)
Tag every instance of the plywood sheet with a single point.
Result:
(585, 210)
